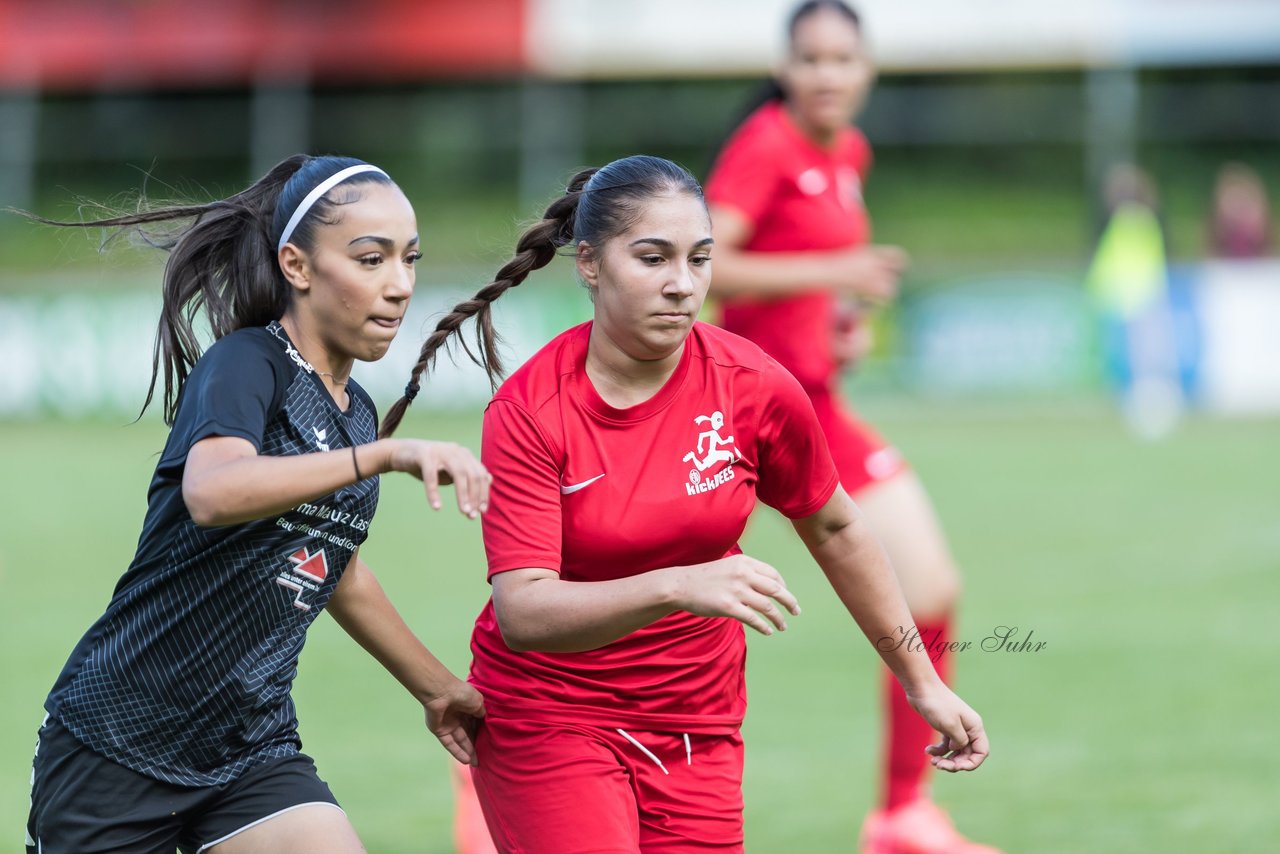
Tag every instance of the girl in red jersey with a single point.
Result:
(791, 244)
(627, 455)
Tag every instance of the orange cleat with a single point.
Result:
(918, 827)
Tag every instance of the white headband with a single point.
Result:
(314, 196)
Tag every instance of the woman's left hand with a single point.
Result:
(452, 717)
(439, 464)
(964, 744)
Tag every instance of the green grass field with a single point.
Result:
(1148, 570)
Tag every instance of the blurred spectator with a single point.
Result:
(1128, 280)
(1240, 223)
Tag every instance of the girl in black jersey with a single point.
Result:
(171, 725)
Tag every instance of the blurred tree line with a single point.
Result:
(971, 169)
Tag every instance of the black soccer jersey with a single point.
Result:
(186, 676)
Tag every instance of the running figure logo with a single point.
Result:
(712, 448)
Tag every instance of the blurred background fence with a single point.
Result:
(994, 126)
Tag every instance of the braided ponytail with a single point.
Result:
(534, 250)
(598, 204)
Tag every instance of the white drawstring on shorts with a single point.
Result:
(688, 750)
(646, 751)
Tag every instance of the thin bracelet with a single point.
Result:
(356, 464)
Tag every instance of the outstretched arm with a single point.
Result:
(362, 608)
(867, 272)
(537, 611)
(225, 480)
(859, 571)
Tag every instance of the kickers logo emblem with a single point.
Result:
(308, 570)
(712, 448)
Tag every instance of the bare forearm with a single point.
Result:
(739, 273)
(860, 573)
(257, 487)
(362, 608)
(549, 615)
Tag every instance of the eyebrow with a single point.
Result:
(385, 242)
(667, 244)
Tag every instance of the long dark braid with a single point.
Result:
(535, 249)
(598, 204)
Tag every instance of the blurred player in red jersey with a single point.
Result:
(793, 262)
(627, 455)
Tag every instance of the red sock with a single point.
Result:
(907, 735)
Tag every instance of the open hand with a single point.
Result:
(869, 272)
(737, 586)
(439, 464)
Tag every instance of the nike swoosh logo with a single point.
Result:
(565, 490)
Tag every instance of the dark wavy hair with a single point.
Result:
(223, 258)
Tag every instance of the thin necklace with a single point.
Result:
(277, 330)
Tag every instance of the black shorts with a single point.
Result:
(82, 802)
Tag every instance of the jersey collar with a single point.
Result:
(596, 405)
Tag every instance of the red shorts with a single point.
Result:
(861, 456)
(569, 789)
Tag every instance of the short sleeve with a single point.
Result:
(232, 391)
(797, 474)
(522, 528)
(745, 175)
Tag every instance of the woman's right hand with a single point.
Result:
(452, 717)
(443, 463)
(869, 272)
(738, 586)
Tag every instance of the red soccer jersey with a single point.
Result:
(798, 196)
(598, 493)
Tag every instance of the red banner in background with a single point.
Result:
(77, 44)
